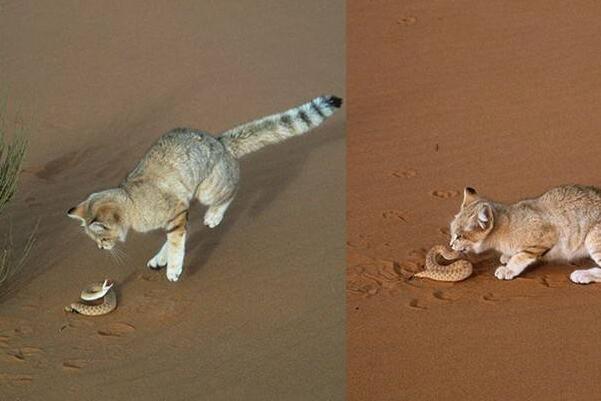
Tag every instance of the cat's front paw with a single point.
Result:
(505, 273)
(504, 259)
(158, 261)
(173, 273)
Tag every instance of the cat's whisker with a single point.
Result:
(122, 254)
(118, 259)
(113, 257)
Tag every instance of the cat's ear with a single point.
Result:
(469, 196)
(77, 212)
(485, 216)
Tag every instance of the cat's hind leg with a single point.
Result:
(593, 246)
(218, 190)
(585, 276)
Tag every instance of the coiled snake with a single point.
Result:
(95, 292)
(456, 271)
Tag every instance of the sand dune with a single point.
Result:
(258, 312)
(502, 97)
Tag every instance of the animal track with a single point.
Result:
(78, 324)
(363, 286)
(490, 297)
(419, 253)
(23, 353)
(440, 295)
(549, 282)
(117, 330)
(154, 293)
(444, 194)
(23, 331)
(74, 364)
(393, 215)
(28, 351)
(16, 355)
(373, 277)
(410, 173)
(406, 269)
(408, 20)
(15, 378)
(414, 303)
(360, 242)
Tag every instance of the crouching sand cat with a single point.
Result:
(562, 224)
(183, 165)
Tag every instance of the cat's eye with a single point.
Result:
(98, 226)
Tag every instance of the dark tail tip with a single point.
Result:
(335, 101)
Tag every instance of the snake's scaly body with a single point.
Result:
(101, 290)
(456, 271)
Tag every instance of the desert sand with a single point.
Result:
(259, 311)
(504, 97)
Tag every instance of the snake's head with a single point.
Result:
(107, 285)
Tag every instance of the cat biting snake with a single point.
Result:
(456, 271)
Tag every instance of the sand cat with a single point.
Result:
(183, 165)
(561, 224)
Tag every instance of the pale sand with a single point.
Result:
(259, 311)
(504, 98)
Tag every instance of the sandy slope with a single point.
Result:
(259, 312)
(504, 98)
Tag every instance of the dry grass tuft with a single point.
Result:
(12, 155)
(11, 261)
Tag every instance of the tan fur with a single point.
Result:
(456, 271)
(562, 224)
(184, 165)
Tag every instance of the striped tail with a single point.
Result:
(247, 138)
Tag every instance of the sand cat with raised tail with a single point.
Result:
(561, 224)
(183, 165)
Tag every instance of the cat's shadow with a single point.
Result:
(263, 178)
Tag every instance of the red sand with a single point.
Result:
(504, 97)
